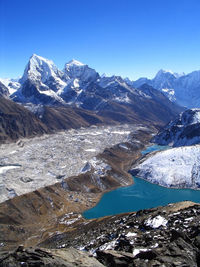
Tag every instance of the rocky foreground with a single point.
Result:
(163, 236)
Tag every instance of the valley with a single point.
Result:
(49, 159)
(57, 205)
(99, 133)
(70, 137)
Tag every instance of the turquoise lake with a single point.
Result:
(140, 195)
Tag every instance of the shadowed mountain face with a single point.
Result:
(3, 90)
(183, 131)
(17, 122)
(150, 107)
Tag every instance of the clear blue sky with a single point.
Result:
(131, 38)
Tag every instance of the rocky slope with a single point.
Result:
(183, 131)
(163, 236)
(3, 90)
(40, 257)
(17, 122)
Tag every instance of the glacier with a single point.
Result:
(176, 167)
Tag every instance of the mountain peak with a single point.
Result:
(36, 59)
(162, 72)
(35, 56)
(40, 69)
(75, 69)
(75, 62)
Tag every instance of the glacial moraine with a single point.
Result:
(49, 159)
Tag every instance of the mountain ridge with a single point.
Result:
(180, 88)
(75, 77)
(80, 86)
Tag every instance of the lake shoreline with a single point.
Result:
(145, 148)
(183, 194)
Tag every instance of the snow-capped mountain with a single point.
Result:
(187, 89)
(77, 70)
(176, 167)
(183, 131)
(41, 69)
(140, 82)
(81, 86)
(78, 84)
(43, 83)
(182, 88)
(165, 79)
(12, 85)
(40, 82)
(79, 78)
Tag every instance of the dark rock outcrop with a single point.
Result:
(3, 90)
(163, 236)
(17, 122)
(40, 257)
(183, 131)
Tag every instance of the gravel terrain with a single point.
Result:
(33, 163)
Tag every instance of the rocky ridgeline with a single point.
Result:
(163, 236)
(183, 131)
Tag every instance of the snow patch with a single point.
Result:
(4, 169)
(138, 250)
(156, 222)
(130, 234)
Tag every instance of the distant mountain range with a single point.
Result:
(184, 89)
(80, 85)
(52, 95)
(77, 85)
